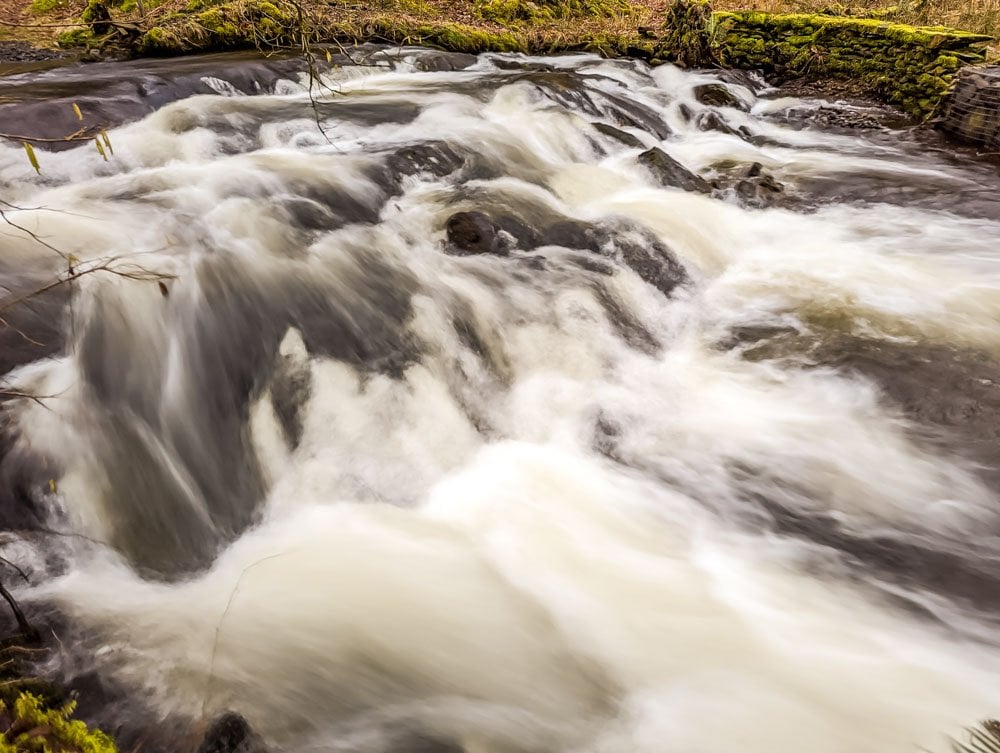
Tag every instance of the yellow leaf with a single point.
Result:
(329, 57)
(107, 141)
(100, 149)
(30, 150)
(52, 485)
(76, 109)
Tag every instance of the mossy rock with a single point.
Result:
(237, 24)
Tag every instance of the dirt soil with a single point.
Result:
(26, 38)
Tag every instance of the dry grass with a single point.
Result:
(981, 16)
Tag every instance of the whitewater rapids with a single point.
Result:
(354, 486)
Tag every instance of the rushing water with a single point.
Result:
(669, 470)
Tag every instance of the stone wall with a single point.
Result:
(972, 111)
(911, 67)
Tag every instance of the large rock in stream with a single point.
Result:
(672, 173)
(231, 733)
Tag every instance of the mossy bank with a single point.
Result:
(911, 67)
(908, 66)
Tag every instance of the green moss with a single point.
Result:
(541, 11)
(619, 45)
(32, 727)
(414, 7)
(44, 6)
(236, 24)
(80, 37)
(909, 66)
(453, 37)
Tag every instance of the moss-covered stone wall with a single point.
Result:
(911, 67)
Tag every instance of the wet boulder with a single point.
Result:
(671, 173)
(434, 61)
(630, 245)
(718, 95)
(471, 233)
(758, 189)
(434, 157)
(653, 262)
(712, 121)
(231, 733)
(622, 137)
(574, 234)
(631, 113)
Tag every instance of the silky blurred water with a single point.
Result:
(349, 482)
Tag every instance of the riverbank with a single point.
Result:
(911, 67)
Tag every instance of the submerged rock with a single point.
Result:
(231, 733)
(631, 245)
(672, 173)
(434, 157)
(473, 233)
(433, 62)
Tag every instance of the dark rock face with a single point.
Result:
(672, 173)
(22, 478)
(230, 733)
(758, 189)
(444, 61)
(632, 246)
(651, 260)
(473, 233)
(718, 95)
(623, 137)
(712, 121)
(576, 235)
(434, 157)
(32, 329)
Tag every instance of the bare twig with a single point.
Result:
(84, 134)
(8, 22)
(28, 631)
(19, 571)
(34, 236)
(225, 613)
(15, 395)
(19, 333)
(137, 273)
